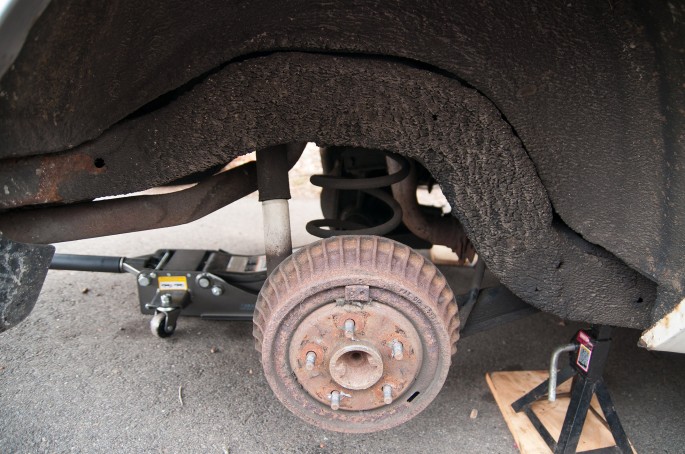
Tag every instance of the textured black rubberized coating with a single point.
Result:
(593, 88)
(23, 268)
(453, 130)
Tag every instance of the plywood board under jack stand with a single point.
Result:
(507, 387)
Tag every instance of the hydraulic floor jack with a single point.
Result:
(209, 284)
(219, 285)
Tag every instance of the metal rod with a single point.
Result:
(611, 417)
(277, 240)
(553, 364)
(129, 214)
(541, 390)
(581, 396)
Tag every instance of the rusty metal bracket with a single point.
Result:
(446, 230)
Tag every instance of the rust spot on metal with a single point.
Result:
(445, 230)
(55, 171)
(358, 317)
(122, 215)
(39, 180)
(358, 293)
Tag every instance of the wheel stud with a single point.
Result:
(397, 350)
(387, 394)
(310, 361)
(335, 400)
(349, 328)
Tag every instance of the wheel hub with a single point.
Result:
(355, 366)
(356, 333)
(358, 361)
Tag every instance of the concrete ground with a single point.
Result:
(84, 374)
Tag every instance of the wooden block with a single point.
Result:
(507, 387)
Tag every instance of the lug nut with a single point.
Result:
(387, 394)
(217, 291)
(311, 359)
(335, 400)
(397, 350)
(349, 328)
(143, 280)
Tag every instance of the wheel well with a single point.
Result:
(457, 133)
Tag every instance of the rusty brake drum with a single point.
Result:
(356, 333)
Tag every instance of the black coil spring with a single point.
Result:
(325, 228)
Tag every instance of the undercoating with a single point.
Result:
(23, 268)
(594, 90)
(453, 130)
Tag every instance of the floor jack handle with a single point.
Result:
(94, 263)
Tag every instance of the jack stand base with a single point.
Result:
(582, 419)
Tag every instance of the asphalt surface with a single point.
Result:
(84, 374)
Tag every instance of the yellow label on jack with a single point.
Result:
(172, 283)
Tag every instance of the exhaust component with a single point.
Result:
(445, 230)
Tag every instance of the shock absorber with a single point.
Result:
(372, 186)
(274, 192)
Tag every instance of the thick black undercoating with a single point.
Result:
(456, 132)
(23, 268)
(593, 88)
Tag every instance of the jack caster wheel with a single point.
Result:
(160, 326)
(356, 333)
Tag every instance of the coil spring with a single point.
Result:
(324, 228)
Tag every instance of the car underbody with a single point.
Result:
(556, 132)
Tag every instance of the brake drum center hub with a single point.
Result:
(356, 366)
(352, 349)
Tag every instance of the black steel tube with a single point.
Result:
(94, 263)
(272, 173)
